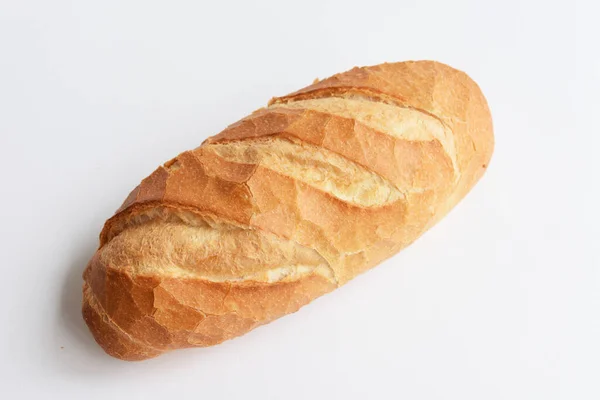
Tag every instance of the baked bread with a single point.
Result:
(284, 206)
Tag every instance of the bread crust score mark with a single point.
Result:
(284, 206)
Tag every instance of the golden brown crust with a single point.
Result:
(284, 206)
(430, 87)
(137, 317)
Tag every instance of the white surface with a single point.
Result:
(499, 301)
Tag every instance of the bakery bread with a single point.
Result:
(284, 206)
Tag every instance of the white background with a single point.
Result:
(501, 300)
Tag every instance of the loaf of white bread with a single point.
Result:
(284, 206)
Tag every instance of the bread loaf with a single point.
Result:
(284, 206)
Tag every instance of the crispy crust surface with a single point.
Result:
(284, 206)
